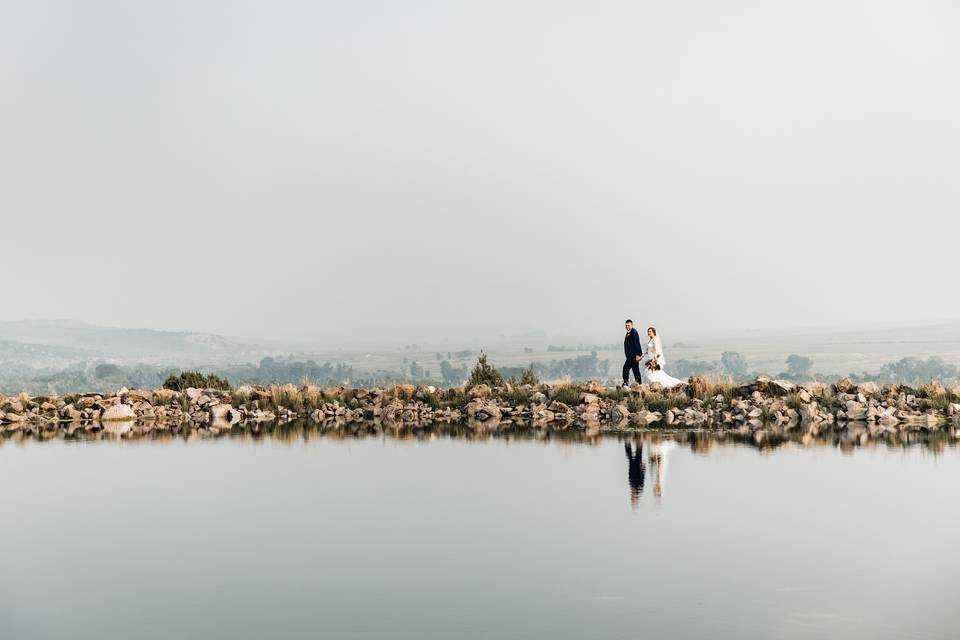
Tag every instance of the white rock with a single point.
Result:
(118, 412)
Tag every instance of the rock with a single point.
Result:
(139, 395)
(118, 412)
(762, 383)
(13, 417)
(620, 413)
(193, 394)
(783, 386)
(481, 411)
(855, 411)
(845, 385)
(558, 407)
(221, 412)
(424, 393)
(70, 412)
(593, 387)
(588, 398)
(868, 388)
(645, 418)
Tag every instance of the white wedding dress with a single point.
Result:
(655, 350)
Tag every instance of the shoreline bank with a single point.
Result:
(760, 406)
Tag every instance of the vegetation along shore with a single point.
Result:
(210, 405)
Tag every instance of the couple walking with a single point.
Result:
(652, 359)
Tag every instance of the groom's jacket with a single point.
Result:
(631, 345)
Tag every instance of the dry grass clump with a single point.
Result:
(567, 392)
(286, 396)
(665, 399)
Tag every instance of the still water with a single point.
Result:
(446, 537)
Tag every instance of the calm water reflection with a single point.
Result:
(297, 533)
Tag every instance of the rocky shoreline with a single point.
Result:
(760, 408)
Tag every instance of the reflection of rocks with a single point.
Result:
(848, 437)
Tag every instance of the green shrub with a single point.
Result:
(530, 377)
(195, 379)
(484, 373)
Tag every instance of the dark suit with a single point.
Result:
(631, 349)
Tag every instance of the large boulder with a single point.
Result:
(782, 386)
(868, 388)
(588, 398)
(856, 411)
(221, 412)
(70, 412)
(118, 412)
(139, 395)
(645, 418)
(481, 411)
(845, 385)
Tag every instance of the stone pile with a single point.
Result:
(760, 407)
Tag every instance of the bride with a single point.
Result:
(655, 362)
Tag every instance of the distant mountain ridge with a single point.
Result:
(84, 340)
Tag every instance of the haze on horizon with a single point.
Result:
(329, 171)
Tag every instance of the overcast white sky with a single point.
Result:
(324, 170)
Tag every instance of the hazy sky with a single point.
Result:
(427, 170)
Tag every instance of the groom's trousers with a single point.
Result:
(631, 364)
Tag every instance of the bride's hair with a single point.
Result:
(652, 329)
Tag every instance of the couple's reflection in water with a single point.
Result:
(637, 470)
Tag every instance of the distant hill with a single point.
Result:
(32, 341)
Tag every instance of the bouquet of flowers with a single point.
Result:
(652, 365)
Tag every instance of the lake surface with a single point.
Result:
(446, 537)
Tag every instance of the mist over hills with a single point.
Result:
(45, 343)
(51, 356)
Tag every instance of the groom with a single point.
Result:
(633, 352)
